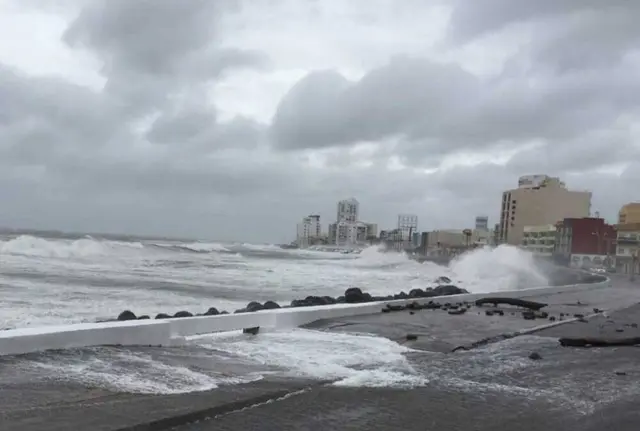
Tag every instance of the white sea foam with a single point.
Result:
(347, 359)
(134, 373)
(55, 281)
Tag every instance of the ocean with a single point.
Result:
(51, 279)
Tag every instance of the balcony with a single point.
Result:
(628, 240)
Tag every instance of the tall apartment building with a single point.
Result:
(308, 231)
(348, 211)
(629, 213)
(539, 200)
(482, 223)
(407, 224)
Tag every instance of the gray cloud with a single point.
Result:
(156, 152)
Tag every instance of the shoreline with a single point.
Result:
(30, 404)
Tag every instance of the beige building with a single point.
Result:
(539, 200)
(628, 248)
(457, 238)
(629, 213)
(539, 239)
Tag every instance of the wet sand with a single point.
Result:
(494, 387)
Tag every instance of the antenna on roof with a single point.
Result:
(597, 214)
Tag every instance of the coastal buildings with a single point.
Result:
(629, 213)
(628, 248)
(539, 240)
(309, 231)
(348, 211)
(349, 230)
(482, 223)
(587, 241)
(539, 200)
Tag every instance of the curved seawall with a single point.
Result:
(172, 332)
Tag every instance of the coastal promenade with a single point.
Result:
(527, 382)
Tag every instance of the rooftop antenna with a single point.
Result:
(597, 214)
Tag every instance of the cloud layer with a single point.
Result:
(232, 120)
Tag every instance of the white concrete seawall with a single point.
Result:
(171, 332)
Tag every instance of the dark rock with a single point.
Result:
(634, 325)
(253, 331)
(329, 300)
(367, 297)
(578, 315)
(620, 373)
(597, 310)
(443, 279)
(535, 356)
(213, 311)
(619, 330)
(270, 305)
(240, 310)
(224, 312)
(340, 300)
(143, 317)
(531, 305)
(183, 314)
(163, 316)
(412, 312)
(448, 289)
(315, 300)
(552, 319)
(454, 307)
(412, 337)
(489, 313)
(354, 295)
(457, 311)
(528, 315)
(391, 307)
(498, 312)
(253, 306)
(127, 315)
(542, 314)
(299, 303)
(416, 293)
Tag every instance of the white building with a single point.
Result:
(308, 231)
(539, 239)
(482, 223)
(346, 234)
(348, 211)
(407, 224)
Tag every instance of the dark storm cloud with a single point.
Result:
(80, 159)
(439, 109)
(153, 49)
(42, 118)
(406, 97)
(472, 19)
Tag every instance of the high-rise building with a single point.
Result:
(539, 200)
(407, 225)
(308, 231)
(348, 211)
(482, 223)
(629, 213)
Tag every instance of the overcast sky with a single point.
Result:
(233, 119)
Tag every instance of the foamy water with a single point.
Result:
(46, 281)
(55, 281)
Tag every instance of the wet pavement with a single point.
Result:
(496, 386)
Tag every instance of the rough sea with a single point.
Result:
(56, 279)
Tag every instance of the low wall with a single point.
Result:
(170, 332)
(131, 333)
